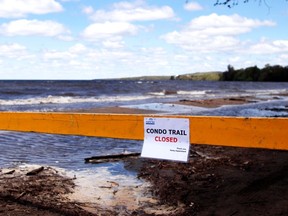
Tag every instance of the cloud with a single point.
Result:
(52, 55)
(25, 27)
(214, 33)
(129, 12)
(193, 6)
(20, 8)
(78, 49)
(88, 10)
(98, 31)
(13, 50)
(113, 24)
(269, 47)
(113, 43)
(235, 24)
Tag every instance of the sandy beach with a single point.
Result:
(155, 109)
(215, 181)
(117, 110)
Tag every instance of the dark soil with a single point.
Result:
(215, 181)
(37, 194)
(223, 181)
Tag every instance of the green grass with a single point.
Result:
(205, 76)
(202, 76)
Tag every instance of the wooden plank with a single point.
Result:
(225, 131)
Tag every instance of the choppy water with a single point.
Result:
(69, 151)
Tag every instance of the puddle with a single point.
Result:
(123, 193)
(102, 187)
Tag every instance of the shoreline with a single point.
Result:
(181, 106)
(216, 180)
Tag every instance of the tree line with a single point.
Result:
(270, 73)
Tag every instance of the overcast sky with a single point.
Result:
(94, 39)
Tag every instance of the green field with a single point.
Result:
(205, 76)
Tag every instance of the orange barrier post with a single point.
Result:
(270, 133)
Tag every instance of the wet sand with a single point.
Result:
(214, 103)
(209, 103)
(116, 110)
(215, 181)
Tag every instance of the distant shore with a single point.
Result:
(269, 73)
(208, 103)
(199, 76)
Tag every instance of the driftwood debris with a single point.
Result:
(9, 172)
(110, 158)
(35, 171)
(21, 195)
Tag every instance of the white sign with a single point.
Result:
(166, 138)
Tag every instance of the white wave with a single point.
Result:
(157, 93)
(168, 108)
(192, 92)
(65, 100)
(260, 113)
(165, 92)
(266, 91)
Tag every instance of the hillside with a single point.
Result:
(205, 76)
(275, 73)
